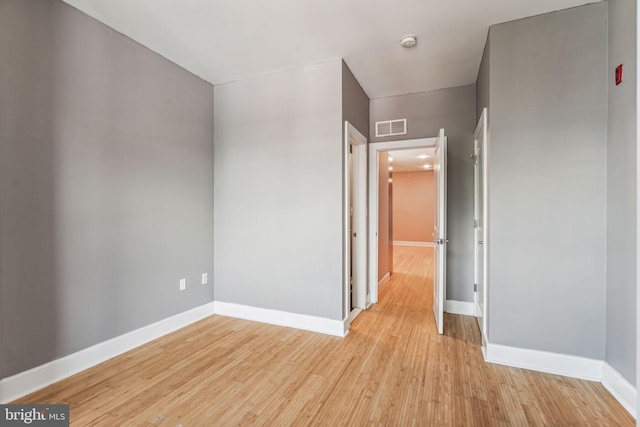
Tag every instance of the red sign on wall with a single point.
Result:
(618, 74)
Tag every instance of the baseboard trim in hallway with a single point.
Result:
(41, 376)
(412, 243)
(385, 279)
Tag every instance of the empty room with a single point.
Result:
(319, 213)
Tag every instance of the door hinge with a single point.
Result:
(475, 287)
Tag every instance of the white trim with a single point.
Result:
(352, 316)
(374, 149)
(283, 318)
(358, 142)
(543, 361)
(482, 134)
(458, 307)
(440, 231)
(21, 384)
(486, 195)
(568, 366)
(412, 243)
(26, 382)
(384, 280)
(619, 387)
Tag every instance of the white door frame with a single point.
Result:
(358, 143)
(374, 149)
(482, 134)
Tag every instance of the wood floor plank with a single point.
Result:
(392, 369)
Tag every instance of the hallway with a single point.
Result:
(392, 369)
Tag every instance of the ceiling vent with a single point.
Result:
(391, 127)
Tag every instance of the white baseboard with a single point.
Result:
(543, 361)
(282, 318)
(26, 382)
(459, 307)
(384, 280)
(568, 366)
(411, 243)
(620, 388)
(21, 384)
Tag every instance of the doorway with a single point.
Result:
(355, 222)
(440, 241)
(405, 206)
(412, 208)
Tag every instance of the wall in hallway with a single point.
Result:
(413, 206)
(384, 258)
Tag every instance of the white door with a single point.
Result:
(479, 228)
(440, 230)
(355, 202)
(358, 226)
(353, 256)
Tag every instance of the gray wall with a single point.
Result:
(278, 191)
(621, 191)
(482, 82)
(355, 110)
(454, 110)
(355, 102)
(106, 182)
(548, 114)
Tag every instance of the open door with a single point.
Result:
(479, 224)
(440, 230)
(355, 218)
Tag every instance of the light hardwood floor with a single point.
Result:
(392, 369)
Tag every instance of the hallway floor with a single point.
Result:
(392, 369)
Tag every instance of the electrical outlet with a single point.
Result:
(205, 278)
(183, 284)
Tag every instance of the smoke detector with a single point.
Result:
(408, 40)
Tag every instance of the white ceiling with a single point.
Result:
(412, 160)
(227, 40)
